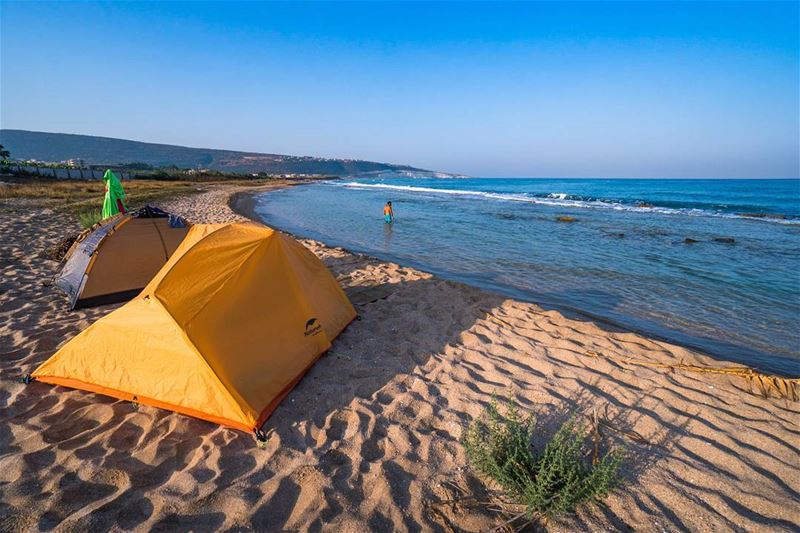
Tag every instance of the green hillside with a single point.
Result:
(93, 150)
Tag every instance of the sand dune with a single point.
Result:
(369, 440)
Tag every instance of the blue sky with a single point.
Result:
(557, 89)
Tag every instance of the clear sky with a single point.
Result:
(643, 89)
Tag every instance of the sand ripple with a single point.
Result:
(369, 440)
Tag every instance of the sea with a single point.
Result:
(711, 264)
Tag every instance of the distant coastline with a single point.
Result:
(51, 147)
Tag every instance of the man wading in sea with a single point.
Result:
(388, 213)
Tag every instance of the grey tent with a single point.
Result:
(119, 256)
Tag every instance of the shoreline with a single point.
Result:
(370, 437)
(243, 203)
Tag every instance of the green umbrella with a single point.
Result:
(115, 195)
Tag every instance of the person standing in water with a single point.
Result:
(388, 213)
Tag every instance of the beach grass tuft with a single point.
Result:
(89, 218)
(549, 480)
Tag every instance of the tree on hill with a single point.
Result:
(4, 154)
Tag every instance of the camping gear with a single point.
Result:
(116, 259)
(114, 201)
(223, 331)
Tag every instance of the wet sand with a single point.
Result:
(369, 440)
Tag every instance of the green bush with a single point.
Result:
(550, 482)
(88, 219)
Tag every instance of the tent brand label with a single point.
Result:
(312, 327)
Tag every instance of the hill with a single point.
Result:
(93, 150)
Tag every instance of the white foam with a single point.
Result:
(553, 199)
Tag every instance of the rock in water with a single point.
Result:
(688, 240)
(762, 215)
(726, 240)
(566, 219)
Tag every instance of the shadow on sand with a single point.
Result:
(349, 434)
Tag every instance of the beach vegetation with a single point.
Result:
(89, 218)
(547, 476)
(82, 198)
(76, 196)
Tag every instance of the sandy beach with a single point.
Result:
(370, 438)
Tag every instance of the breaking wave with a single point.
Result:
(570, 200)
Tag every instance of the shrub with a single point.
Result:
(550, 482)
(89, 218)
(60, 249)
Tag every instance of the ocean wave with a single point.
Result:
(560, 199)
(558, 195)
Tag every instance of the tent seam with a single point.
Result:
(266, 242)
(161, 238)
(231, 394)
(225, 283)
(216, 291)
(178, 260)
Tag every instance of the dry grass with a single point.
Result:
(87, 219)
(79, 197)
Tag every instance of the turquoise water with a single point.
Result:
(734, 293)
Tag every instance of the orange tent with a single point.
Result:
(115, 260)
(223, 332)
